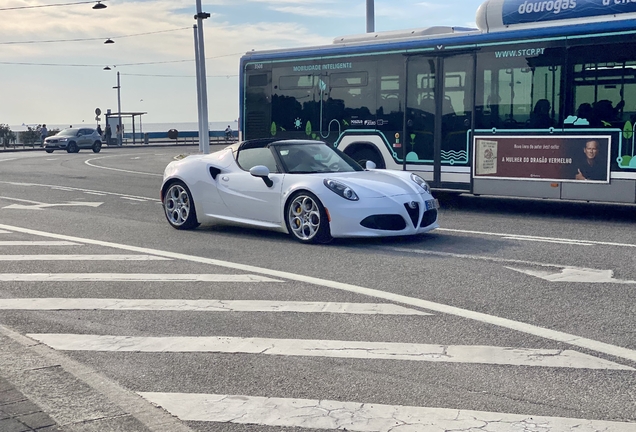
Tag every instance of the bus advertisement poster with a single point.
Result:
(562, 158)
(532, 11)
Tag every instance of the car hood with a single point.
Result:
(377, 184)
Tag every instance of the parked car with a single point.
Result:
(74, 139)
(305, 188)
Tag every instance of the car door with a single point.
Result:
(249, 197)
(84, 138)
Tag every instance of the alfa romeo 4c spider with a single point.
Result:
(305, 188)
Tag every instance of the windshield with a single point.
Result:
(68, 132)
(315, 158)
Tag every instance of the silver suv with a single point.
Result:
(74, 139)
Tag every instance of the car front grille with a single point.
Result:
(384, 222)
(414, 213)
(429, 218)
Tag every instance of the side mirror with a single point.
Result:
(263, 172)
(370, 165)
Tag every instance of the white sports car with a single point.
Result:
(305, 188)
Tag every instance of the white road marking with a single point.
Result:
(82, 258)
(64, 188)
(206, 306)
(20, 200)
(575, 275)
(87, 162)
(567, 242)
(360, 417)
(38, 243)
(485, 258)
(133, 199)
(7, 160)
(5, 232)
(574, 340)
(43, 206)
(537, 238)
(95, 193)
(129, 277)
(330, 348)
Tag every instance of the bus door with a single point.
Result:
(439, 115)
(258, 102)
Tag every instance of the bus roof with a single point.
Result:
(498, 21)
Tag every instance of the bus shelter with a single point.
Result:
(112, 119)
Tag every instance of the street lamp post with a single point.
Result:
(119, 125)
(202, 91)
(119, 134)
(370, 17)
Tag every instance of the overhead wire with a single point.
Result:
(48, 5)
(90, 39)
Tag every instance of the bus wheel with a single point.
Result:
(363, 155)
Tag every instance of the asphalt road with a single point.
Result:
(521, 308)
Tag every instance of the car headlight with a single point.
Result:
(421, 183)
(63, 139)
(341, 189)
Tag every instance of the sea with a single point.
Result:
(144, 127)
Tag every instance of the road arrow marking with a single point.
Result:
(574, 275)
(43, 206)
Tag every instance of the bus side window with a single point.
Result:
(519, 92)
(604, 85)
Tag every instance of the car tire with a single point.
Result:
(97, 146)
(178, 206)
(48, 151)
(72, 148)
(366, 154)
(306, 218)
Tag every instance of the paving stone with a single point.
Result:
(50, 429)
(12, 425)
(20, 408)
(37, 420)
(11, 396)
(5, 385)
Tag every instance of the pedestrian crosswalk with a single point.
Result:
(130, 277)
(73, 257)
(330, 348)
(207, 306)
(361, 417)
(274, 410)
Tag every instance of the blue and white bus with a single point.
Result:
(539, 101)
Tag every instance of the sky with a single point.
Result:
(52, 58)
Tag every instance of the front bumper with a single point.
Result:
(55, 145)
(384, 217)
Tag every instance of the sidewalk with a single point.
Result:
(105, 147)
(19, 414)
(214, 146)
(44, 390)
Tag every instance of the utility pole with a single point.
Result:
(370, 17)
(202, 88)
(120, 134)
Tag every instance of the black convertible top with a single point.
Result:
(266, 142)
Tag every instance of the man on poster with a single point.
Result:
(591, 168)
